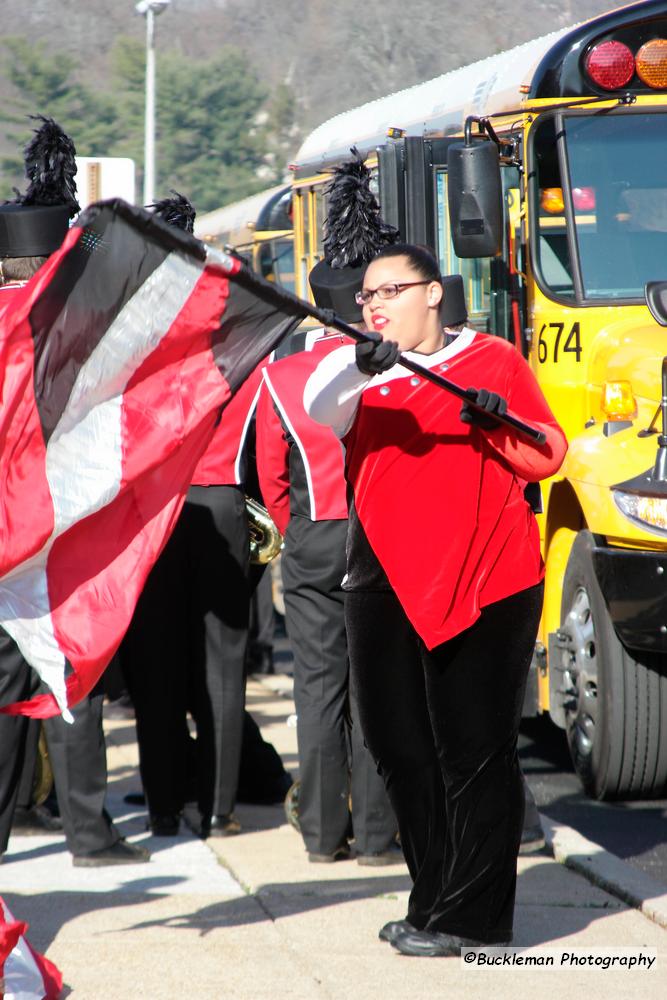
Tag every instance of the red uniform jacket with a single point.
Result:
(283, 426)
(222, 462)
(441, 502)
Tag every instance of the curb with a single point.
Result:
(606, 871)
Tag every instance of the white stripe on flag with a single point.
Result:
(84, 454)
(23, 980)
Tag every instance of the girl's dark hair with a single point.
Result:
(421, 259)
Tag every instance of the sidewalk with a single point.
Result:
(248, 918)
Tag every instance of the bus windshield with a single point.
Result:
(618, 176)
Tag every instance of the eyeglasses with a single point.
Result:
(389, 291)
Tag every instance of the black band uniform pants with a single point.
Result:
(442, 726)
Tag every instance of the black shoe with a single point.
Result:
(434, 944)
(166, 825)
(391, 930)
(427, 944)
(532, 839)
(120, 853)
(34, 821)
(393, 855)
(260, 660)
(120, 708)
(342, 853)
(135, 799)
(222, 825)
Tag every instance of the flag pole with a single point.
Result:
(328, 318)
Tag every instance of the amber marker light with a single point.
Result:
(610, 65)
(618, 401)
(652, 64)
(551, 201)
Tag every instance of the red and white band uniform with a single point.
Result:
(301, 474)
(442, 606)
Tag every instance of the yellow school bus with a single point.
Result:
(540, 175)
(260, 229)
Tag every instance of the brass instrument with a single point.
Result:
(43, 778)
(265, 539)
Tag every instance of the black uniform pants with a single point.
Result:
(78, 759)
(334, 764)
(443, 727)
(185, 649)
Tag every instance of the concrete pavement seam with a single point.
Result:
(607, 871)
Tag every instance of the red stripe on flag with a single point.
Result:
(24, 526)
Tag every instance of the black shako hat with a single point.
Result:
(453, 308)
(354, 234)
(35, 224)
(176, 211)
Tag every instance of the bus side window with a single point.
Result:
(552, 251)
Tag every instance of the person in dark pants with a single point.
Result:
(77, 754)
(444, 590)
(185, 649)
(301, 474)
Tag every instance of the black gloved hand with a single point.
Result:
(492, 403)
(373, 357)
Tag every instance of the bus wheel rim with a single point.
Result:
(581, 676)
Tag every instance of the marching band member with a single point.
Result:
(186, 645)
(443, 592)
(300, 465)
(31, 229)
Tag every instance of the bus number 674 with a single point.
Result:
(572, 343)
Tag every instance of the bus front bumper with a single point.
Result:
(634, 587)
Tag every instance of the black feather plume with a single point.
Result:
(355, 233)
(50, 167)
(176, 211)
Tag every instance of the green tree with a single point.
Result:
(46, 83)
(281, 132)
(218, 134)
(209, 142)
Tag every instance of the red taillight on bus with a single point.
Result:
(610, 65)
(652, 63)
(583, 199)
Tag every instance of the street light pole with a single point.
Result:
(149, 8)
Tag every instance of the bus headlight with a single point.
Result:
(648, 512)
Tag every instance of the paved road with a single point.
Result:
(634, 831)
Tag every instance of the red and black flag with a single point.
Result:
(115, 361)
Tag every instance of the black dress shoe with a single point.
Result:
(435, 944)
(35, 821)
(135, 799)
(166, 825)
(120, 853)
(427, 944)
(532, 839)
(393, 929)
(393, 855)
(342, 853)
(222, 825)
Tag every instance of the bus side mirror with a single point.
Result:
(474, 193)
(656, 299)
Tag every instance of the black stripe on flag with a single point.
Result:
(120, 246)
(258, 315)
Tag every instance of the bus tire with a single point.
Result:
(615, 705)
